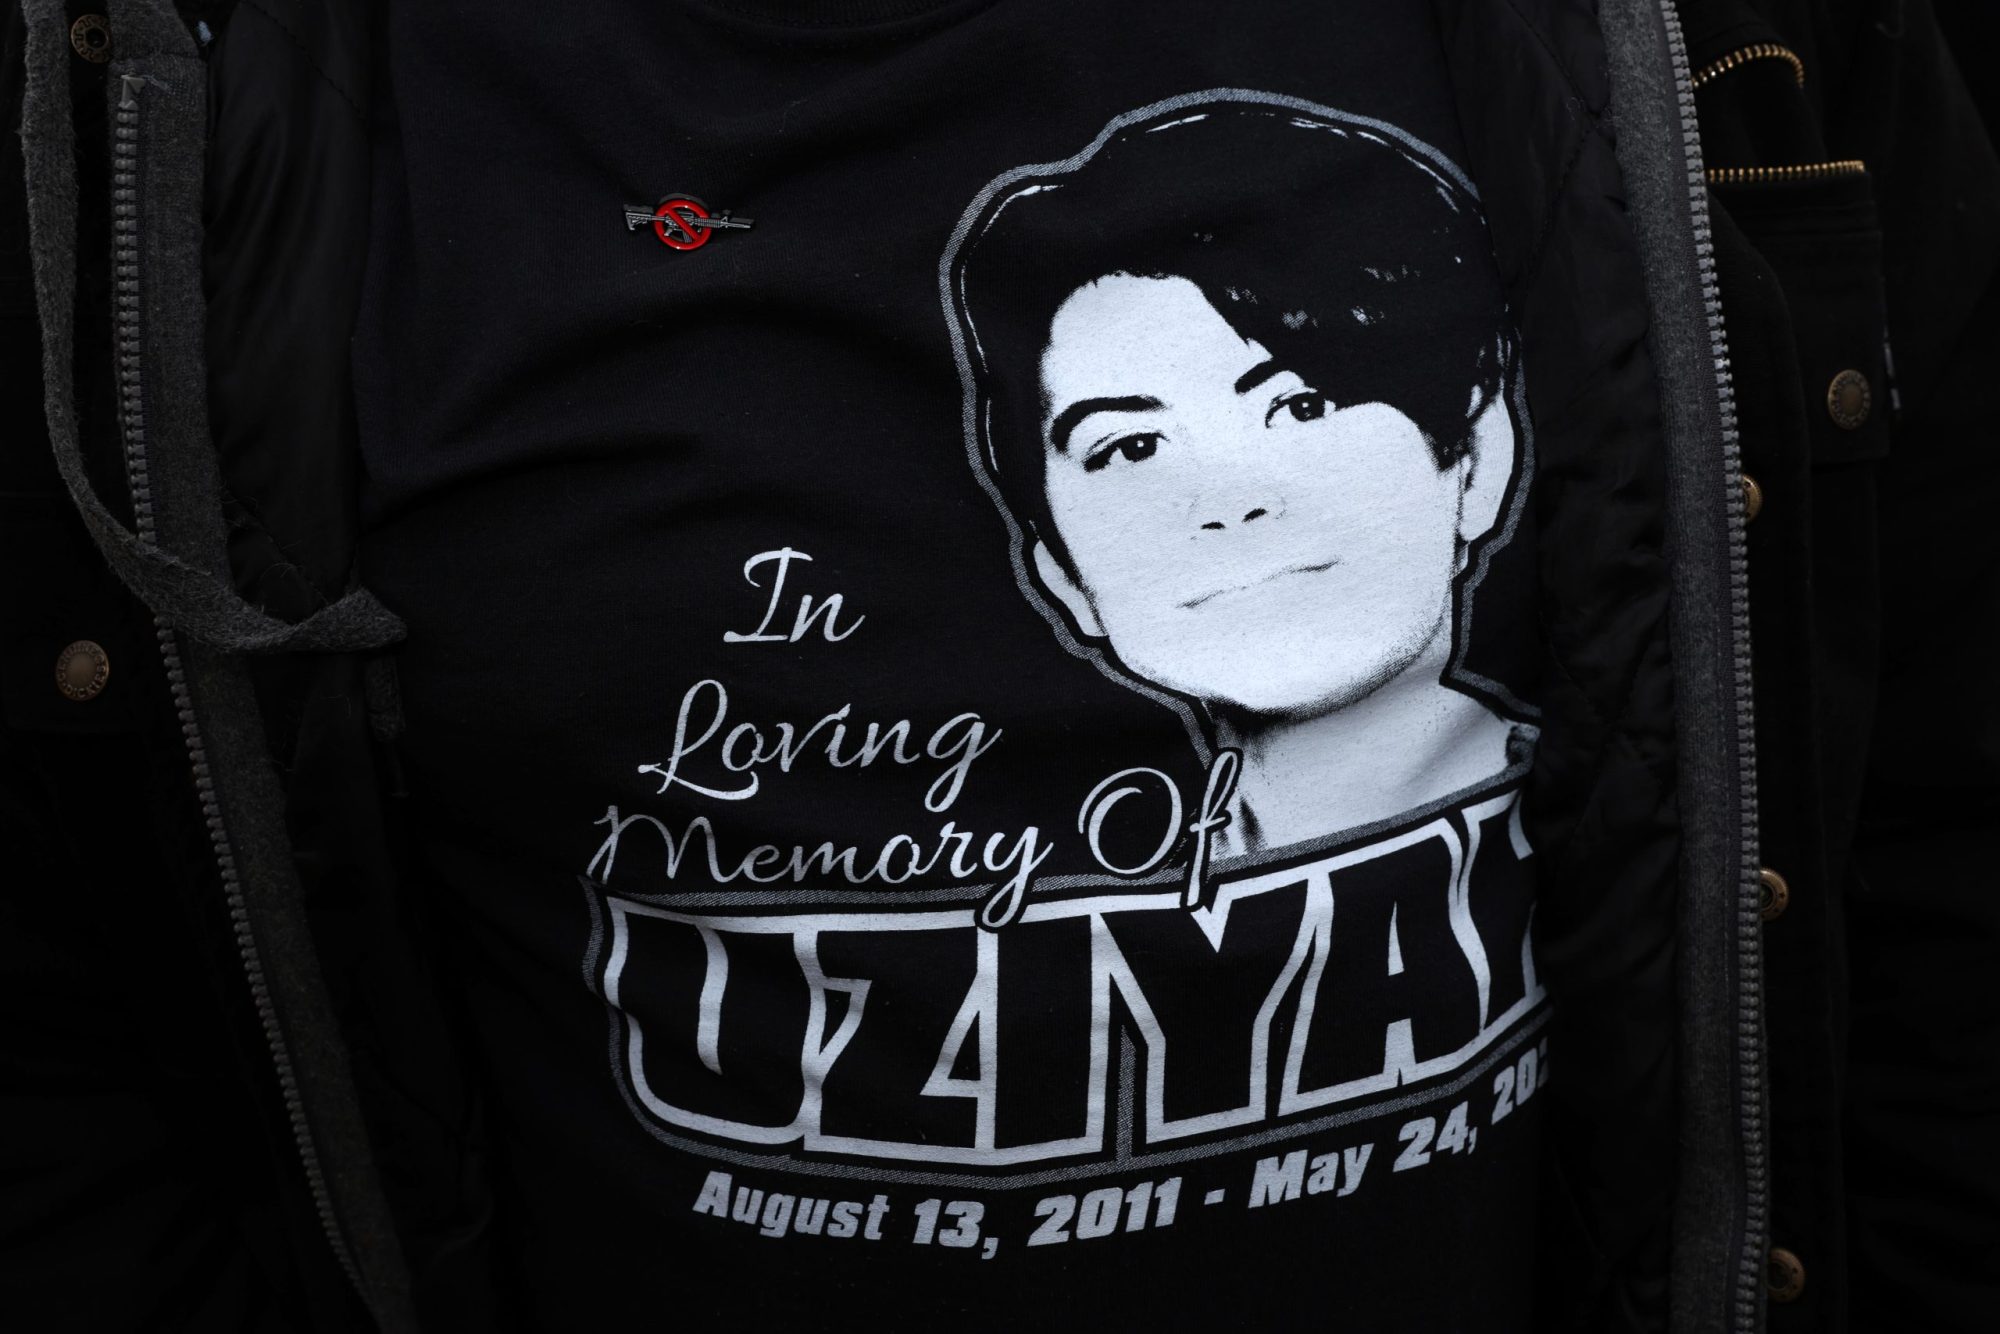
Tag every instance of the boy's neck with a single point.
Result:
(1407, 743)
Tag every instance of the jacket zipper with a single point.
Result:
(1715, 69)
(1750, 1088)
(131, 406)
(1804, 171)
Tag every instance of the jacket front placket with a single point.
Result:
(1721, 1211)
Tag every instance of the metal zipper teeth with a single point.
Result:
(1804, 171)
(125, 260)
(1744, 55)
(1749, 923)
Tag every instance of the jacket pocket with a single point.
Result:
(1820, 235)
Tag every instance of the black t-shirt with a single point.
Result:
(970, 618)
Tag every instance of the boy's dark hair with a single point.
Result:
(1357, 261)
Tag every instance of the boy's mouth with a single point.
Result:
(1305, 568)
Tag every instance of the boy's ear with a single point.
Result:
(1490, 467)
(1066, 590)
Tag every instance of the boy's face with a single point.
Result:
(1234, 535)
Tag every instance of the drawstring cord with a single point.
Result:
(199, 602)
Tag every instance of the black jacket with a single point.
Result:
(233, 1093)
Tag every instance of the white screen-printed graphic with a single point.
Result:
(1274, 1001)
(1239, 379)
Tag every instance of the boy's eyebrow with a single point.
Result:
(1256, 375)
(1067, 419)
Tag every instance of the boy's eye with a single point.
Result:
(1306, 405)
(1134, 448)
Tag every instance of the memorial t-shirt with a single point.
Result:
(969, 677)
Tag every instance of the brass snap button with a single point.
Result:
(81, 671)
(91, 36)
(1774, 894)
(1784, 1276)
(1753, 498)
(1848, 399)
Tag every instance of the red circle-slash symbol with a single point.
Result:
(682, 223)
